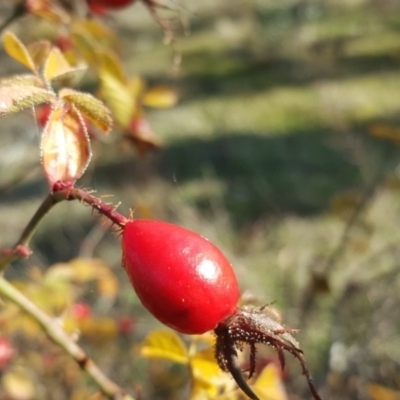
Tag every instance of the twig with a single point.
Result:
(56, 333)
(60, 193)
(21, 248)
(369, 192)
(92, 239)
(360, 207)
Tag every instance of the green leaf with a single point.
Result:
(24, 79)
(17, 50)
(21, 92)
(165, 344)
(90, 107)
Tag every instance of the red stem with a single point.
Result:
(108, 210)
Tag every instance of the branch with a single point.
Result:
(56, 333)
(21, 248)
(62, 192)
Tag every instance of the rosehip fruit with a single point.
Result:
(125, 325)
(43, 113)
(189, 285)
(181, 278)
(100, 6)
(6, 352)
(81, 311)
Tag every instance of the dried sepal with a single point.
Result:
(21, 92)
(17, 50)
(39, 51)
(142, 135)
(255, 325)
(50, 10)
(65, 145)
(92, 108)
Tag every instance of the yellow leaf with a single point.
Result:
(87, 48)
(107, 284)
(55, 297)
(90, 107)
(93, 28)
(59, 272)
(206, 372)
(49, 10)
(56, 66)
(136, 86)
(18, 384)
(160, 97)
(111, 64)
(85, 269)
(99, 330)
(118, 98)
(17, 50)
(378, 392)
(165, 344)
(208, 378)
(269, 385)
(65, 145)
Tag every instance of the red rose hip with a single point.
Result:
(181, 278)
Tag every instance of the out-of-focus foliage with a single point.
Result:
(207, 380)
(288, 119)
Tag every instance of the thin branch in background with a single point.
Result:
(356, 214)
(310, 294)
(57, 334)
(19, 176)
(92, 239)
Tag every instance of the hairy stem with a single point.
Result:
(57, 334)
(108, 210)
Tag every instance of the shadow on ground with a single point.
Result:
(295, 174)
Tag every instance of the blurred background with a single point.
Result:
(283, 150)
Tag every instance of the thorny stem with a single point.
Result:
(108, 210)
(56, 333)
(60, 193)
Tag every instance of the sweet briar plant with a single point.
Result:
(180, 277)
